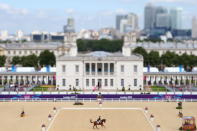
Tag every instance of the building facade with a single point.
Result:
(110, 71)
(180, 48)
(29, 48)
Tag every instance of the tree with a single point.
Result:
(16, 60)
(170, 59)
(2, 60)
(29, 61)
(142, 51)
(154, 58)
(47, 58)
(99, 45)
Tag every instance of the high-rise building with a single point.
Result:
(194, 27)
(163, 21)
(176, 18)
(133, 21)
(149, 17)
(123, 25)
(70, 26)
(118, 21)
(127, 23)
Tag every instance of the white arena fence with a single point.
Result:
(94, 100)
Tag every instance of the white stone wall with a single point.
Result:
(128, 75)
(70, 75)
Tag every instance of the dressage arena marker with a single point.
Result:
(92, 108)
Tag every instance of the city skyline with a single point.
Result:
(52, 15)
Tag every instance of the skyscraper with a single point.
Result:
(149, 17)
(163, 21)
(70, 26)
(176, 18)
(194, 27)
(133, 21)
(118, 20)
(127, 23)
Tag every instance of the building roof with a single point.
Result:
(32, 45)
(165, 46)
(101, 56)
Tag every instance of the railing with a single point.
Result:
(97, 92)
(100, 73)
(93, 100)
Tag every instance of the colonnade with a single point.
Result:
(25, 79)
(177, 79)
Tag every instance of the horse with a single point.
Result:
(180, 115)
(101, 123)
(22, 114)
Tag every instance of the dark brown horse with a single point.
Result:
(96, 124)
(22, 113)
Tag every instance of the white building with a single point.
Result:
(4, 35)
(179, 48)
(110, 71)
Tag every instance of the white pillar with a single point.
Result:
(103, 69)
(90, 68)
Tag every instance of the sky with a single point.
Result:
(51, 15)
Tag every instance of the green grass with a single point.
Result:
(40, 88)
(158, 88)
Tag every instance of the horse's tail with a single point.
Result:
(91, 121)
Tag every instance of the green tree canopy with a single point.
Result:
(170, 59)
(154, 58)
(47, 58)
(2, 60)
(29, 61)
(16, 60)
(99, 45)
(142, 51)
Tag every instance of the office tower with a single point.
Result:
(176, 18)
(163, 20)
(132, 21)
(149, 17)
(70, 26)
(118, 21)
(194, 27)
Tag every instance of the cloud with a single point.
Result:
(176, 1)
(11, 10)
(70, 11)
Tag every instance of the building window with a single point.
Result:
(93, 82)
(14, 52)
(135, 82)
(63, 82)
(77, 68)
(20, 52)
(87, 66)
(111, 82)
(122, 68)
(8, 52)
(122, 82)
(106, 82)
(135, 68)
(87, 82)
(63, 68)
(77, 82)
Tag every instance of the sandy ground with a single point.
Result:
(117, 120)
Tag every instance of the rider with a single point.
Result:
(99, 119)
